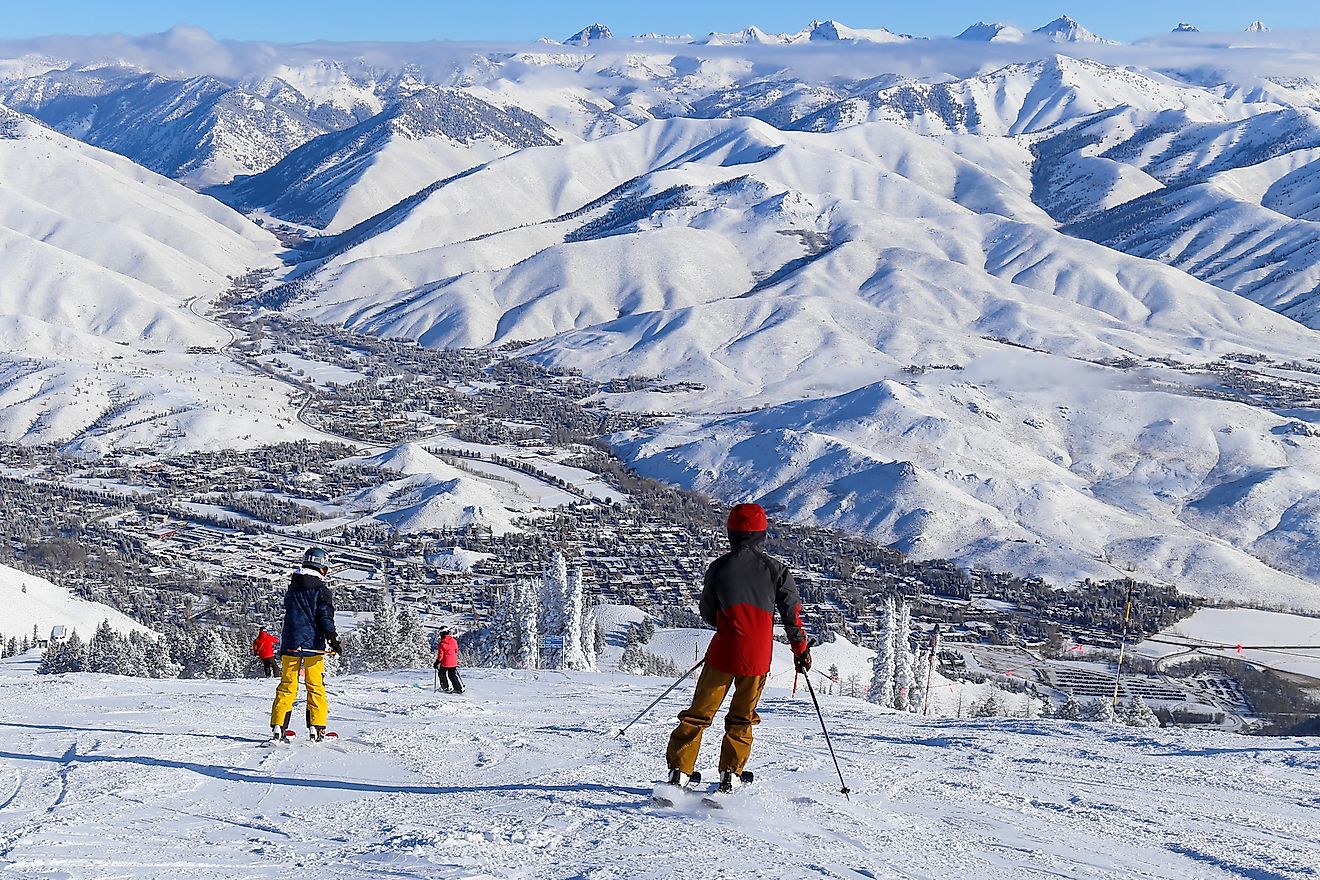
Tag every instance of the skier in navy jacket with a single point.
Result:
(309, 630)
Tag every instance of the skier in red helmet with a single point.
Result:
(743, 590)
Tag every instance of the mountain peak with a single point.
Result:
(991, 32)
(1186, 28)
(591, 32)
(831, 30)
(1258, 27)
(1066, 30)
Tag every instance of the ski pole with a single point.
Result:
(811, 690)
(681, 679)
(435, 686)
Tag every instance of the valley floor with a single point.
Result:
(520, 778)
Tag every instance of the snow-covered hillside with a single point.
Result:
(1024, 298)
(29, 601)
(522, 778)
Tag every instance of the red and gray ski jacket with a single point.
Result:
(447, 653)
(743, 589)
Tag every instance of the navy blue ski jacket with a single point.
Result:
(309, 615)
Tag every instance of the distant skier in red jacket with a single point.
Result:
(263, 647)
(743, 590)
(446, 663)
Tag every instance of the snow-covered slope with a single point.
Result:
(1016, 99)
(343, 178)
(102, 260)
(906, 253)
(521, 778)
(30, 601)
(201, 130)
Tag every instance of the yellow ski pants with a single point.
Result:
(712, 686)
(318, 710)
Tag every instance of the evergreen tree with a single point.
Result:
(375, 643)
(917, 699)
(213, 658)
(904, 674)
(990, 707)
(107, 652)
(413, 649)
(884, 665)
(589, 628)
(553, 610)
(12, 647)
(1139, 714)
(1071, 710)
(527, 617)
(157, 662)
(572, 656)
(1101, 711)
(833, 686)
(69, 655)
(138, 647)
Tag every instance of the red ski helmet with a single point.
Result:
(747, 518)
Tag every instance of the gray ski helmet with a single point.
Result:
(316, 558)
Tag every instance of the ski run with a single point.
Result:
(522, 777)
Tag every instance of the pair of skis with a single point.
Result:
(286, 737)
(668, 795)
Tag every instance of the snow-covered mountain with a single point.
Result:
(103, 260)
(1044, 303)
(200, 130)
(343, 178)
(1065, 30)
(992, 32)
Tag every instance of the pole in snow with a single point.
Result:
(656, 701)
(1122, 645)
(930, 668)
(844, 790)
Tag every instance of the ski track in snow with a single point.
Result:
(521, 777)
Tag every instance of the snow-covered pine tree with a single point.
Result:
(1139, 714)
(158, 663)
(69, 655)
(1070, 710)
(904, 674)
(588, 629)
(575, 600)
(883, 666)
(413, 648)
(553, 611)
(213, 658)
(989, 707)
(12, 648)
(917, 696)
(833, 686)
(527, 615)
(138, 646)
(1101, 711)
(107, 652)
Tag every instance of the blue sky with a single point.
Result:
(292, 20)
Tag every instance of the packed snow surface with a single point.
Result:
(521, 777)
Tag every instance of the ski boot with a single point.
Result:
(675, 788)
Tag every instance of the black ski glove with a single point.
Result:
(333, 641)
(802, 662)
(435, 665)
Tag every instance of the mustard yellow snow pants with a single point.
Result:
(712, 686)
(318, 710)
